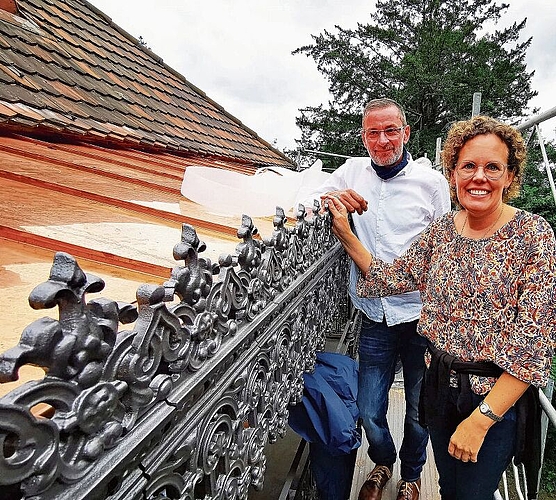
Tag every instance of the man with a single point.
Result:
(395, 198)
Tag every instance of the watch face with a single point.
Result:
(484, 408)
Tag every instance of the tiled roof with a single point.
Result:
(95, 135)
(67, 70)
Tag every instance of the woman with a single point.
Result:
(487, 275)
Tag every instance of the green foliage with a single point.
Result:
(335, 128)
(431, 56)
(536, 195)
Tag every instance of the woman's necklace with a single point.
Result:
(489, 229)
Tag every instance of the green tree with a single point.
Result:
(430, 55)
(536, 195)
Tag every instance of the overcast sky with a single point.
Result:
(239, 51)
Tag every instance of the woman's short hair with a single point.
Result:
(463, 131)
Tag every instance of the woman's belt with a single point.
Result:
(436, 385)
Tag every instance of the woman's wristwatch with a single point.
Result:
(485, 409)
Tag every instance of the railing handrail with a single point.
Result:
(541, 117)
(547, 407)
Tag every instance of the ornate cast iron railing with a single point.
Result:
(182, 404)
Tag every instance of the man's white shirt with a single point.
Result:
(399, 209)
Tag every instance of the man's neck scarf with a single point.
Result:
(389, 172)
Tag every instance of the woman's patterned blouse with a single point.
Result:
(492, 299)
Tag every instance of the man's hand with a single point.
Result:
(352, 200)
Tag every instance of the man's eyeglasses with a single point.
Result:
(390, 133)
(493, 171)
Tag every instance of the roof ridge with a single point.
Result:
(82, 74)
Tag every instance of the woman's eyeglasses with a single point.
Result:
(492, 171)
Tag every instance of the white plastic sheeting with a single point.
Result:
(231, 193)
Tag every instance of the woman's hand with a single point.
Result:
(342, 229)
(468, 438)
(340, 217)
(352, 200)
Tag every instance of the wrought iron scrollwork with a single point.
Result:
(182, 404)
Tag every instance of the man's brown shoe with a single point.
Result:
(375, 483)
(408, 491)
